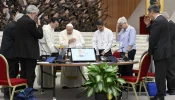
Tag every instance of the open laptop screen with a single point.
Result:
(83, 55)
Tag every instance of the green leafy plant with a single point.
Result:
(103, 78)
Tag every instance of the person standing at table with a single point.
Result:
(102, 39)
(159, 47)
(70, 76)
(7, 49)
(47, 47)
(27, 33)
(171, 69)
(126, 38)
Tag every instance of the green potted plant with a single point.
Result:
(103, 79)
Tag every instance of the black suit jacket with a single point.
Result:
(26, 38)
(172, 36)
(159, 40)
(8, 40)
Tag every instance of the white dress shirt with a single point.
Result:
(127, 37)
(47, 43)
(103, 40)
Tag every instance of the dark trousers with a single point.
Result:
(171, 74)
(127, 70)
(160, 75)
(13, 67)
(28, 70)
(13, 71)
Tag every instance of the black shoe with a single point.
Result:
(65, 87)
(2, 89)
(167, 91)
(172, 92)
(6, 97)
(158, 98)
(36, 90)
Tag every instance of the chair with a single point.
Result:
(5, 80)
(149, 75)
(116, 54)
(143, 70)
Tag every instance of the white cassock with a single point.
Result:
(46, 48)
(70, 76)
(102, 40)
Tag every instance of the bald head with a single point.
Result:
(69, 28)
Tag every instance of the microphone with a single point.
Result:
(122, 49)
(46, 53)
(42, 47)
(109, 53)
(108, 57)
(113, 46)
(40, 15)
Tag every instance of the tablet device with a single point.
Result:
(51, 59)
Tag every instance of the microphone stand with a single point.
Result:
(46, 54)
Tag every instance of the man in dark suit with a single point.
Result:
(26, 43)
(171, 69)
(159, 47)
(7, 49)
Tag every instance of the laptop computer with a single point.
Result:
(83, 55)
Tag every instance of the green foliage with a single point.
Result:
(103, 79)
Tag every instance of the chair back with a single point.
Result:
(144, 66)
(116, 54)
(4, 70)
(143, 54)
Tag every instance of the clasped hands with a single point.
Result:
(72, 40)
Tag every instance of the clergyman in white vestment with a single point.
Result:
(70, 76)
(102, 39)
(46, 48)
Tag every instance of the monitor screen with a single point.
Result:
(83, 55)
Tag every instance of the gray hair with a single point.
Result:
(18, 16)
(32, 9)
(122, 20)
(166, 15)
(154, 8)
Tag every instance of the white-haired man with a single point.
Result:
(7, 49)
(70, 38)
(126, 38)
(26, 43)
(171, 69)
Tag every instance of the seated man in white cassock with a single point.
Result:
(70, 76)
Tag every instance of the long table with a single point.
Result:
(55, 65)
